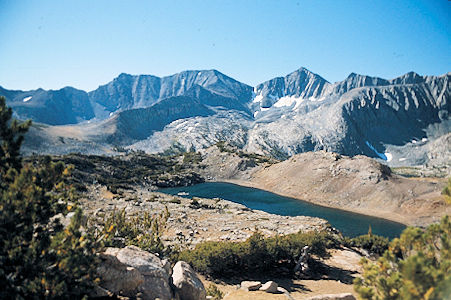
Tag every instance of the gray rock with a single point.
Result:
(186, 282)
(167, 266)
(117, 277)
(156, 278)
(269, 287)
(251, 285)
(344, 296)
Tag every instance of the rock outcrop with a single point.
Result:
(269, 287)
(134, 273)
(251, 285)
(187, 285)
(130, 271)
(110, 269)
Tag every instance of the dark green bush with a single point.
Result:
(255, 255)
(375, 244)
(192, 157)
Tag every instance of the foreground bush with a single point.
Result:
(255, 255)
(417, 265)
(143, 231)
(39, 258)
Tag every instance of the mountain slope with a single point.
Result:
(361, 121)
(137, 124)
(71, 106)
(64, 106)
(128, 91)
(393, 120)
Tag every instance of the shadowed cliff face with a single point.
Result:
(129, 91)
(64, 106)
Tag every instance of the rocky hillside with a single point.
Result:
(358, 184)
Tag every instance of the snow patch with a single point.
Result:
(385, 156)
(424, 140)
(258, 98)
(402, 159)
(288, 101)
(313, 99)
(200, 73)
(388, 155)
(181, 124)
(26, 99)
(111, 113)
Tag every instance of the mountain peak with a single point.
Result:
(408, 78)
(305, 70)
(122, 75)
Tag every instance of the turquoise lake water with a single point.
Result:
(350, 224)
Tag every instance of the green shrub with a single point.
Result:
(255, 255)
(192, 158)
(222, 146)
(417, 265)
(143, 231)
(213, 291)
(373, 243)
(175, 200)
(39, 258)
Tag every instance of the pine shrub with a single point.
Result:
(417, 265)
(39, 258)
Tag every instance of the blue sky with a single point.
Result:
(52, 44)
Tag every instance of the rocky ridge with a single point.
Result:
(385, 119)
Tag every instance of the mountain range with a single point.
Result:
(400, 121)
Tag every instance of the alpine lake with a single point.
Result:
(349, 223)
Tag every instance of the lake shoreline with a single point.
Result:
(393, 217)
(351, 224)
